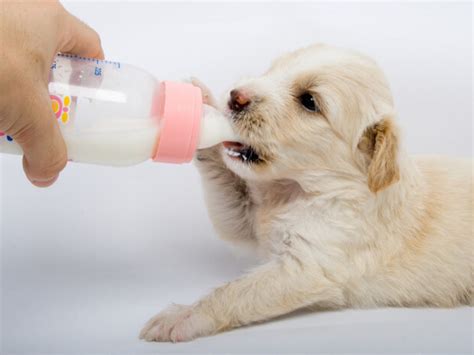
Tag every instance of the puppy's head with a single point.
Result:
(317, 109)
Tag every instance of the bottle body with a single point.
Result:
(111, 113)
(109, 103)
(103, 110)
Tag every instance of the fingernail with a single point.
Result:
(44, 183)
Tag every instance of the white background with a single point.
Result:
(86, 262)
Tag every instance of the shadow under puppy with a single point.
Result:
(319, 184)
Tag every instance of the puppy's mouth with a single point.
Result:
(242, 152)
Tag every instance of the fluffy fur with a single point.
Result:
(342, 216)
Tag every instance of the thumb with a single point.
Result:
(80, 39)
(38, 134)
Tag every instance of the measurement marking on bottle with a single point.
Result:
(98, 61)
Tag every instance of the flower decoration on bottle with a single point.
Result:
(61, 107)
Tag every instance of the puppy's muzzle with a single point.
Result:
(238, 100)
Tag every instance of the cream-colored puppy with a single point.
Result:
(320, 184)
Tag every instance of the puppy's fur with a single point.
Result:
(341, 214)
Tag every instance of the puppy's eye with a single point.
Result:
(308, 102)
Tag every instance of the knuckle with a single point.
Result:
(25, 126)
(50, 168)
(55, 166)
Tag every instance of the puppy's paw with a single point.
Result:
(178, 323)
(209, 157)
(207, 96)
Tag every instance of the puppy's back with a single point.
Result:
(449, 205)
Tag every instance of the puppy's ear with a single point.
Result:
(380, 143)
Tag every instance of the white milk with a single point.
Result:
(113, 142)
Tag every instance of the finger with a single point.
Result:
(39, 136)
(80, 39)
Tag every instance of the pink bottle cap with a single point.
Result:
(178, 108)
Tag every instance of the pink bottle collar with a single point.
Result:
(178, 108)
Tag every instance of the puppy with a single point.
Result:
(320, 185)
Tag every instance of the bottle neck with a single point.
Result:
(178, 108)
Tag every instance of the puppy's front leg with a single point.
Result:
(227, 197)
(273, 289)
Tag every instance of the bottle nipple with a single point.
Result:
(215, 128)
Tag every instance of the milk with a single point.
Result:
(114, 114)
(113, 142)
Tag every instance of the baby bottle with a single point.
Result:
(110, 113)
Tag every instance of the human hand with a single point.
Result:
(31, 33)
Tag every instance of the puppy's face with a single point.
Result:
(309, 111)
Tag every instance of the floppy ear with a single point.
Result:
(380, 143)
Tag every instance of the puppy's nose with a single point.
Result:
(238, 100)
